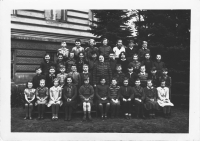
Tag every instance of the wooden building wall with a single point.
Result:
(34, 33)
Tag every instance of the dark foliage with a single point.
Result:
(111, 24)
(168, 33)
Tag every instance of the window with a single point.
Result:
(58, 15)
(12, 64)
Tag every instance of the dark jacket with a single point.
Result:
(126, 92)
(69, 92)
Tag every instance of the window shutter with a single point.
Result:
(47, 14)
(58, 14)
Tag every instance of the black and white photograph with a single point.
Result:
(93, 71)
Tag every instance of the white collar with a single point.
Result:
(149, 88)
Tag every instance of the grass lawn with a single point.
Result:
(178, 123)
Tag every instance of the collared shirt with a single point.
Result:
(64, 51)
(62, 77)
(76, 50)
(29, 92)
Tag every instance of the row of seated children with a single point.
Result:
(149, 97)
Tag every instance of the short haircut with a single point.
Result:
(86, 65)
(137, 79)
(37, 68)
(62, 67)
(147, 53)
(101, 55)
(52, 67)
(41, 80)
(102, 77)
(135, 55)
(142, 66)
(114, 78)
(77, 40)
(149, 80)
(47, 54)
(158, 54)
(91, 40)
(69, 77)
(28, 82)
(144, 42)
(119, 40)
(73, 65)
(93, 52)
(130, 66)
(131, 41)
(80, 53)
(56, 79)
(153, 68)
(59, 54)
(125, 78)
(118, 65)
(104, 39)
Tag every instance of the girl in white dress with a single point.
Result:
(55, 101)
(163, 99)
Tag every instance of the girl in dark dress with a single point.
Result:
(102, 93)
(69, 93)
(151, 99)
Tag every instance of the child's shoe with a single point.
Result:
(84, 118)
(25, 118)
(30, 118)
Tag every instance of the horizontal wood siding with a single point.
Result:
(30, 14)
(77, 14)
(26, 60)
(32, 53)
(26, 68)
(22, 77)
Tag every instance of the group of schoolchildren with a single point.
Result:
(136, 79)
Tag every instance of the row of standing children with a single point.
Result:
(64, 57)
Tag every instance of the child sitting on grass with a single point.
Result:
(29, 94)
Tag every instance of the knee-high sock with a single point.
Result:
(117, 109)
(101, 109)
(70, 111)
(88, 107)
(107, 108)
(168, 109)
(84, 106)
(129, 107)
(165, 110)
(113, 109)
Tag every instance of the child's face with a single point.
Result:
(52, 71)
(92, 43)
(142, 69)
(119, 43)
(77, 44)
(125, 82)
(69, 80)
(42, 83)
(30, 85)
(81, 55)
(112, 56)
(135, 58)
(147, 56)
(114, 82)
(162, 84)
(62, 70)
(165, 72)
(158, 57)
(55, 83)
(94, 55)
(149, 84)
(119, 68)
(85, 68)
(71, 55)
(153, 72)
(131, 44)
(130, 69)
(105, 42)
(60, 57)
(73, 68)
(39, 71)
(101, 59)
(63, 44)
(103, 81)
(144, 45)
(123, 55)
(137, 83)
(47, 57)
(86, 81)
